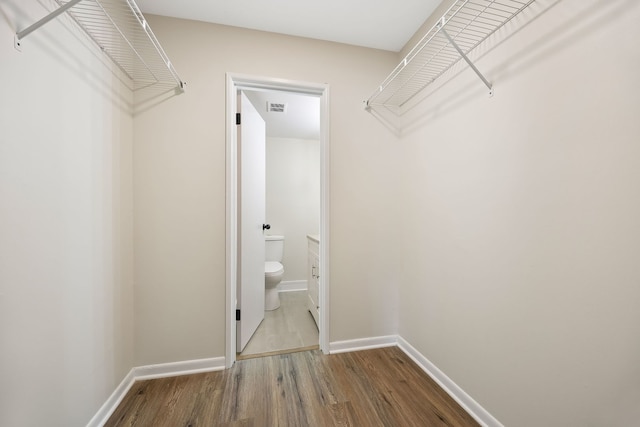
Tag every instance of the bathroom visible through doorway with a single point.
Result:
(300, 163)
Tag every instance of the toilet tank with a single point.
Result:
(274, 248)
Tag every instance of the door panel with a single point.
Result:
(251, 154)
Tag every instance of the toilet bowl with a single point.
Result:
(273, 270)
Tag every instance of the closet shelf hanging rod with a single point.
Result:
(463, 27)
(120, 30)
(31, 28)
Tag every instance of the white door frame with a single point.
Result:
(237, 82)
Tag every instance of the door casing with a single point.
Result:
(234, 83)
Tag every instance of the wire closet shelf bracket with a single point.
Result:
(465, 25)
(122, 33)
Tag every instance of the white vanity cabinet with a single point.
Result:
(313, 276)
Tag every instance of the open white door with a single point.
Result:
(252, 169)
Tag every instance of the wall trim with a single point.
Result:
(456, 392)
(362, 344)
(173, 369)
(107, 409)
(148, 372)
(292, 285)
(448, 385)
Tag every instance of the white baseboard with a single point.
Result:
(103, 414)
(165, 370)
(362, 344)
(149, 372)
(292, 285)
(458, 394)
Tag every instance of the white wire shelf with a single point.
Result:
(122, 33)
(465, 25)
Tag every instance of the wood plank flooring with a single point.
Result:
(380, 387)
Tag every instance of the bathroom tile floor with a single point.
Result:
(289, 327)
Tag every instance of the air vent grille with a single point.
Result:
(275, 107)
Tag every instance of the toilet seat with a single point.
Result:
(273, 268)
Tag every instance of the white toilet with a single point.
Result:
(273, 270)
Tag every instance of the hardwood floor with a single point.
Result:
(380, 387)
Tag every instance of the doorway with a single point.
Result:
(235, 85)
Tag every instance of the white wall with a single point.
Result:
(521, 234)
(179, 188)
(293, 198)
(66, 299)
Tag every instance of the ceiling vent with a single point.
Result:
(274, 107)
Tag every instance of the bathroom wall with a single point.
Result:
(521, 232)
(66, 257)
(179, 188)
(293, 198)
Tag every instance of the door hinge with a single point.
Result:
(238, 315)
(237, 118)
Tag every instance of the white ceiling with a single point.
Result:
(380, 24)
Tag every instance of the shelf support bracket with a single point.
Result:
(468, 61)
(22, 34)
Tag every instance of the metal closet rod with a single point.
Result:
(131, 45)
(31, 28)
(464, 26)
